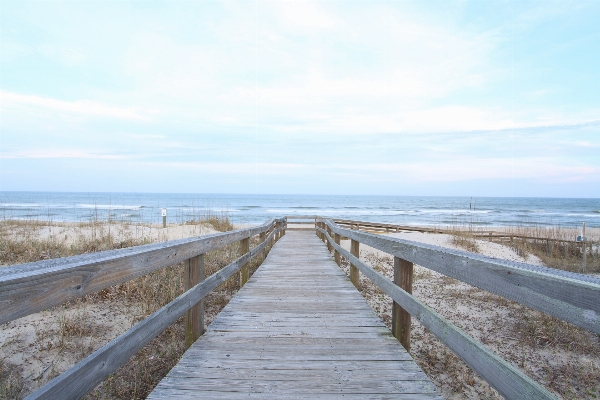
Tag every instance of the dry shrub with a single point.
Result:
(19, 243)
(218, 221)
(11, 383)
(138, 376)
(541, 330)
(558, 255)
(465, 240)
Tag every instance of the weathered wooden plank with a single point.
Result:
(84, 376)
(32, 287)
(569, 296)
(501, 375)
(297, 328)
(338, 387)
(394, 366)
(187, 394)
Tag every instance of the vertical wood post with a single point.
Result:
(403, 277)
(329, 246)
(244, 248)
(194, 317)
(337, 256)
(263, 253)
(354, 273)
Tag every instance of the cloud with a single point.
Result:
(9, 100)
(466, 169)
(41, 154)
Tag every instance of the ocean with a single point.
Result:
(255, 209)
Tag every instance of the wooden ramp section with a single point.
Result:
(297, 329)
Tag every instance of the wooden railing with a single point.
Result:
(571, 297)
(32, 287)
(490, 235)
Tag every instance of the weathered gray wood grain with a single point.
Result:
(572, 297)
(501, 375)
(84, 376)
(32, 287)
(298, 328)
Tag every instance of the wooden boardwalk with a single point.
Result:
(297, 329)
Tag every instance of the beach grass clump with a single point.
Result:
(219, 221)
(545, 331)
(21, 242)
(554, 246)
(12, 384)
(465, 240)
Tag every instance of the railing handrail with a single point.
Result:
(568, 296)
(85, 375)
(477, 234)
(36, 286)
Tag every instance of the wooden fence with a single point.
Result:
(571, 297)
(32, 287)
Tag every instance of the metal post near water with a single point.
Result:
(164, 215)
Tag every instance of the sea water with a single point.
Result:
(255, 209)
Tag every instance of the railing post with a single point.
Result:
(403, 277)
(354, 273)
(262, 237)
(338, 259)
(329, 246)
(244, 248)
(194, 317)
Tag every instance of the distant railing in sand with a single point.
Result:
(33, 287)
(574, 298)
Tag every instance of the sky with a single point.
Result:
(468, 98)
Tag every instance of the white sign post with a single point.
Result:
(164, 215)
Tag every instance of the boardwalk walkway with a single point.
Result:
(297, 329)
